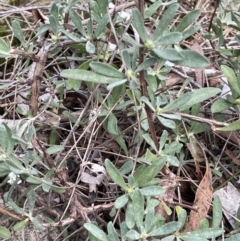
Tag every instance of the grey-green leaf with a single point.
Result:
(188, 19)
(115, 174)
(217, 212)
(169, 39)
(90, 48)
(112, 234)
(192, 59)
(165, 20)
(138, 24)
(167, 228)
(121, 201)
(88, 76)
(101, 26)
(150, 172)
(200, 95)
(138, 207)
(168, 54)
(202, 233)
(179, 102)
(106, 69)
(77, 22)
(4, 233)
(152, 191)
(17, 30)
(4, 49)
(232, 80)
(96, 231)
(133, 235)
(231, 127)
(220, 105)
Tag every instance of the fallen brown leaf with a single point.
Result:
(202, 200)
(232, 157)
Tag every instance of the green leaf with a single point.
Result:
(169, 39)
(18, 33)
(146, 63)
(37, 224)
(117, 83)
(146, 101)
(31, 201)
(152, 191)
(172, 161)
(17, 209)
(144, 120)
(73, 84)
(129, 218)
(126, 167)
(101, 26)
(53, 24)
(199, 96)
(96, 231)
(152, 9)
(126, 58)
(103, 6)
(191, 31)
(88, 76)
(167, 123)
(237, 224)
(106, 69)
(42, 29)
(90, 48)
(163, 139)
(232, 81)
(113, 129)
(133, 235)
(112, 234)
(220, 105)
(4, 233)
(77, 22)
(138, 207)
(115, 174)
(33, 180)
(204, 223)
(188, 19)
(217, 212)
(169, 238)
(71, 36)
(59, 190)
(192, 59)
(172, 116)
(6, 140)
(166, 229)
(4, 49)
(168, 54)
(231, 127)
(150, 172)
(167, 17)
(179, 102)
(4, 46)
(233, 237)
(123, 230)
(138, 24)
(203, 233)
(20, 225)
(46, 187)
(182, 216)
(121, 201)
(54, 149)
(149, 140)
(54, 10)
